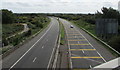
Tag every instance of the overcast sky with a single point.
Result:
(57, 6)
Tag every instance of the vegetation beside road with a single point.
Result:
(62, 33)
(10, 29)
(35, 23)
(82, 24)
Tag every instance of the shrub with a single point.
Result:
(5, 42)
(115, 43)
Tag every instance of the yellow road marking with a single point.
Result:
(80, 69)
(82, 49)
(79, 44)
(75, 37)
(78, 40)
(73, 34)
(85, 57)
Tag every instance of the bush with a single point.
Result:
(7, 16)
(5, 42)
(28, 33)
(40, 25)
(16, 40)
(115, 43)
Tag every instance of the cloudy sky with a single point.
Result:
(57, 6)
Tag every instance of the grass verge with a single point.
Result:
(62, 33)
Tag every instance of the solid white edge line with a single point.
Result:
(57, 52)
(101, 56)
(30, 48)
(56, 56)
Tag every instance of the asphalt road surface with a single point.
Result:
(36, 53)
(85, 52)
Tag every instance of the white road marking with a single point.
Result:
(34, 59)
(52, 52)
(75, 37)
(30, 48)
(91, 44)
(83, 51)
(88, 59)
(42, 46)
(90, 67)
(69, 51)
(101, 56)
(57, 52)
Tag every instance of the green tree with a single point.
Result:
(107, 13)
(7, 16)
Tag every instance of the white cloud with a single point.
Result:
(43, 6)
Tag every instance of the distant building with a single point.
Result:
(105, 27)
(119, 6)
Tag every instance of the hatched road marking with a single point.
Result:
(78, 40)
(82, 49)
(85, 57)
(79, 44)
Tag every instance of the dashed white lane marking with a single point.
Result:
(34, 59)
(42, 46)
(83, 51)
(90, 67)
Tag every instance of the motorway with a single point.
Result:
(84, 51)
(36, 53)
